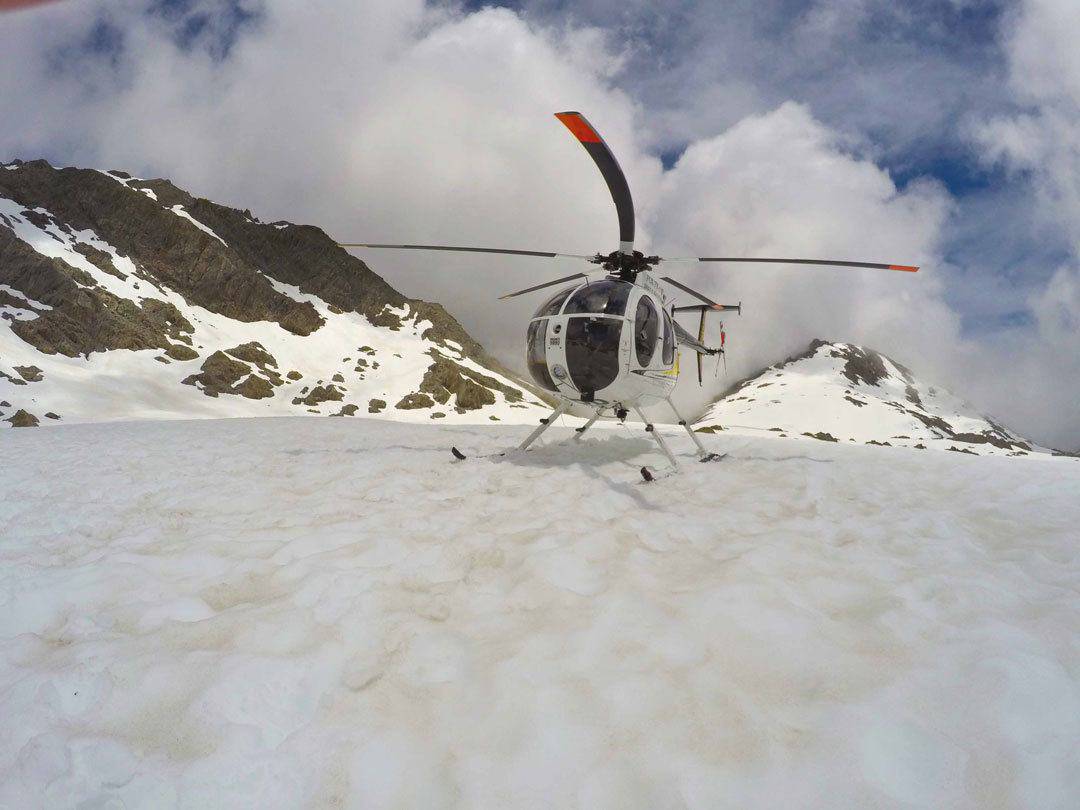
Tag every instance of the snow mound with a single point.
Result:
(847, 393)
(320, 613)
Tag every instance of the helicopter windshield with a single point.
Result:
(606, 297)
(592, 352)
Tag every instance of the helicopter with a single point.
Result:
(609, 342)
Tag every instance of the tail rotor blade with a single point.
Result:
(609, 167)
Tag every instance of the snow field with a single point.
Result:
(308, 613)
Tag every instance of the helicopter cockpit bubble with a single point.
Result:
(607, 297)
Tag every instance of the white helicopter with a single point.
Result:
(612, 344)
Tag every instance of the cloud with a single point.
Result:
(784, 184)
(1040, 368)
(400, 121)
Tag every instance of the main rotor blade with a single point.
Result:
(712, 304)
(823, 262)
(541, 286)
(542, 253)
(609, 167)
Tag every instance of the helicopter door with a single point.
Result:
(646, 326)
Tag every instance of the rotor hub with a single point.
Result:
(625, 266)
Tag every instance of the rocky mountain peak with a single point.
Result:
(210, 311)
(843, 392)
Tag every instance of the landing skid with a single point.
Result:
(648, 473)
(459, 456)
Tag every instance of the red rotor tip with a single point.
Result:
(905, 267)
(578, 126)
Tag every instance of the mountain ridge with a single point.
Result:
(844, 392)
(96, 263)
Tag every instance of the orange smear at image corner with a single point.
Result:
(12, 5)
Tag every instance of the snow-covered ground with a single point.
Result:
(328, 613)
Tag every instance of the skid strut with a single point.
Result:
(560, 409)
(703, 454)
(581, 430)
(649, 428)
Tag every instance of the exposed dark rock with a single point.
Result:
(445, 378)
(861, 365)
(222, 374)
(180, 352)
(29, 373)
(51, 415)
(338, 378)
(376, 405)
(414, 401)
(22, 418)
(933, 422)
(219, 374)
(992, 438)
(912, 396)
(438, 415)
(879, 444)
(963, 450)
(709, 429)
(99, 258)
(856, 402)
(253, 353)
(294, 376)
(255, 387)
(822, 436)
(320, 394)
(346, 410)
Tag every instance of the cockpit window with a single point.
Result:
(536, 341)
(553, 304)
(606, 297)
(646, 326)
